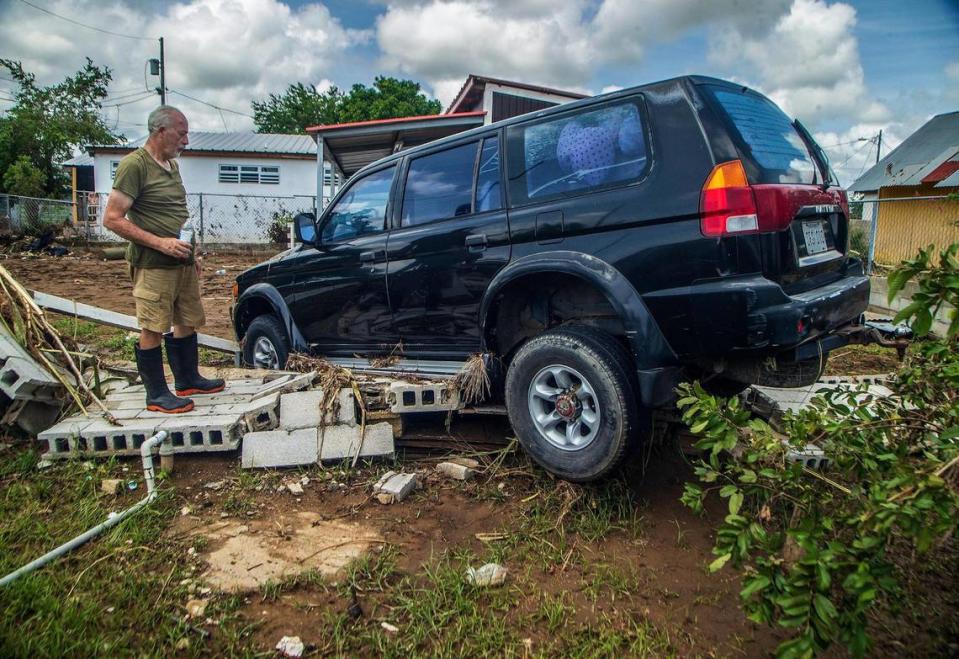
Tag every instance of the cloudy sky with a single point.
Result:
(847, 69)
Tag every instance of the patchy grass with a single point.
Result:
(118, 592)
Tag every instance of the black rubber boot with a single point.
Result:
(183, 358)
(159, 398)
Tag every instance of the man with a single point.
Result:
(148, 207)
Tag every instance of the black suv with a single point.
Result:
(603, 250)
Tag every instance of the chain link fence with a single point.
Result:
(32, 216)
(218, 220)
(888, 230)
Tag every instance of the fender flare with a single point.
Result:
(649, 346)
(269, 294)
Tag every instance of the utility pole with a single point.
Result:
(163, 80)
(878, 144)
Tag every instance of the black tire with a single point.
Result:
(605, 366)
(269, 329)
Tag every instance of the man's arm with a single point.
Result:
(115, 219)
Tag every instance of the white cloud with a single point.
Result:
(443, 42)
(225, 52)
(808, 62)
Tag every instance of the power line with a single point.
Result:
(216, 107)
(858, 139)
(89, 27)
(136, 100)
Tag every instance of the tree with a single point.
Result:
(46, 124)
(301, 105)
(23, 178)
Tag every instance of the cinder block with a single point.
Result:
(279, 448)
(456, 471)
(303, 409)
(811, 456)
(261, 414)
(105, 438)
(403, 397)
(286, 384)
(60, 436)
(204, 433)
(340, 442)
(396, 485)
(21, 378)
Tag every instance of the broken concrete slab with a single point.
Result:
(772, 402)
(396, 485)
(342, 442)
(279, 448)
(215, 424)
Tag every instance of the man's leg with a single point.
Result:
(182, 349)
(154, 311)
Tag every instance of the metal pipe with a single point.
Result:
(112, 520)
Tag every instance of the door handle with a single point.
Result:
(476, 242)
(373, 256)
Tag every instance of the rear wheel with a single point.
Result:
(572, 402)
(265, 344)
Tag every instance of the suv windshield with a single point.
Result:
(772, 140)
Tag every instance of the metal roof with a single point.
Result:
(252, 143)
(83, 160)
(355, 145)
(935, 142)
(951, 182)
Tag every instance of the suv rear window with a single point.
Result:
(769, 136)
(593, 148)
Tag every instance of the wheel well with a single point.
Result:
(534, 303)
(250, 309)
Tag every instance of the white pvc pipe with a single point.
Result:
(145, 451)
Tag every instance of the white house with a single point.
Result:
(237, 183)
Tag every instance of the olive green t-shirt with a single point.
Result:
(159, 205)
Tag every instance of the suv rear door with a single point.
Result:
(794, 188)
(450, 238)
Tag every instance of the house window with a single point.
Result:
(256, 174)
(229, 174)
(113, 169)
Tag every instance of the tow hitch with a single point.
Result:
(884, 333)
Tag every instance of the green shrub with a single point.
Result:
(820, 549)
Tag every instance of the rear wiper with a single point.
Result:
(816, 152)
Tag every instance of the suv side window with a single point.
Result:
(591, 149)
(362, 209)
(439, 186)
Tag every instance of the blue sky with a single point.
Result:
(847, 69)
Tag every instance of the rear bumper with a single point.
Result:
(751, 314)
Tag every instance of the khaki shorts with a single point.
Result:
(167, 296)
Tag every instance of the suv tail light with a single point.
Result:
(729, 205)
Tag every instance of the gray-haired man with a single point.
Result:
(148, 207)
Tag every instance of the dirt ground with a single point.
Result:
(659, 563)
(84, 277)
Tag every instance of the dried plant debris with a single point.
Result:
(27, 323)
(472, 382)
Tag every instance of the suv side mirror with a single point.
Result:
(304, 227)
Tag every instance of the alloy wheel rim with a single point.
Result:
(264, 354)
(564, 407)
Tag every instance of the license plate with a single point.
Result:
(815, 237)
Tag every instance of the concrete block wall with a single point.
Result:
(879, 303)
